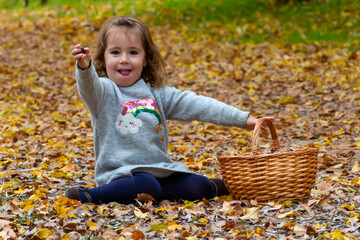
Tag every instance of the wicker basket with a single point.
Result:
(278, 176)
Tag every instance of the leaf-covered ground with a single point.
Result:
(46, 136)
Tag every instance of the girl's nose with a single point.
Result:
(124, 58)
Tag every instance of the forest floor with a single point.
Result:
(46, 135)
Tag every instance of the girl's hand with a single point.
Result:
(251, 121)
(82, 56)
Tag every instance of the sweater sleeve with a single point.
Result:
(89, 87)
(188, 106)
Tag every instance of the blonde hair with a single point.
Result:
(154, 72)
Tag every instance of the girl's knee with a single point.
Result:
(146, 183)
(200, 187)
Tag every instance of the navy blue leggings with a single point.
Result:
(184, 186)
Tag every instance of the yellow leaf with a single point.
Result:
(289, 224)
(66, 237)
(203, 220)
(92, 225)
(43, 166)
(286, 204)
(5, 149)
(337, 234)
(188, 204)
(318, 226)
(170, 218)
(43, 233)
(340, 132)
(260, 231)
(37, 173)
(288, 214)
(242, 141)
(102, 210)
(138, 213)
(157, 227)
(289, 99)
(58, 174)
(182, 149)
(4, 186)
(328, 143)
(348, 207)
(358, 144)
(20, 190)
(64, 205)
(316, 144)
(29, 206)
(173, 226)
(161, 209)
(58, 145)
(356, 181)
(251, 213)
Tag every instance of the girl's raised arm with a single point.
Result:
(82, 56)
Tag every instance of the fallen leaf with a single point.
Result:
(142, 197)
(251, 213)
(355, 167)
(287, 214)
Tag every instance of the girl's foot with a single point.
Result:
(78, 194)
(220, 187)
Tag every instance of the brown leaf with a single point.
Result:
(310, 231)
(142, 197)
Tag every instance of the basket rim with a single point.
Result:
(261, 155)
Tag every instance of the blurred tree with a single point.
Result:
(282, 2)
(43, 2)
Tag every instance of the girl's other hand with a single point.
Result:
(82, 56)
(251, 121)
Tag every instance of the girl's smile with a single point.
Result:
(124, 56)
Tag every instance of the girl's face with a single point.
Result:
(124, 56)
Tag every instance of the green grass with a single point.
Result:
(313, 21)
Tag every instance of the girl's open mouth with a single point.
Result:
(124, 72)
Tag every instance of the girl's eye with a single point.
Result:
(115, 52)
(133, 52)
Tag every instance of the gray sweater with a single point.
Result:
(129, 123)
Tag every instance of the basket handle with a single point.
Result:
(255, 136)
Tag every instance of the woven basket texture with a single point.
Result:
(278, 176)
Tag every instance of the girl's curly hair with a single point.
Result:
(154, 72)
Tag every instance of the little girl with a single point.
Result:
(123, 87)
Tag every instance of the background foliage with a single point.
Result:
(326, 21)
(297, 61)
